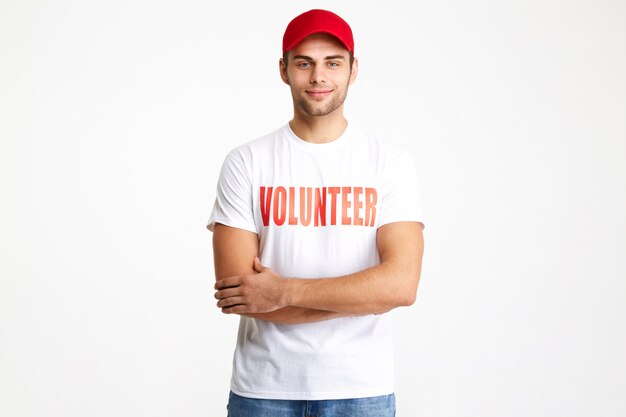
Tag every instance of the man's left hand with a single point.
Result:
(258, 293)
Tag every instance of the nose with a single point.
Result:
(318, 75)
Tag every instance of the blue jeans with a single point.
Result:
(383, 406)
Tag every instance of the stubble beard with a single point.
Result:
(331, 106)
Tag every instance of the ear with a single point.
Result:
(282, 68)
(355, 70)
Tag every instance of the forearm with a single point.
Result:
(378, 289)
(267, 296)
(297, 315)
(371, 291)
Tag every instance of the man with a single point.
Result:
(317, 232)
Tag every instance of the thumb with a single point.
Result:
(258, 266)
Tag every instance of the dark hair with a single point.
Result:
(286, 58)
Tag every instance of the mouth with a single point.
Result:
(318, 93)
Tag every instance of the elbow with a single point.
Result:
(408, 292)
(408, 298)
(403, 292)
(403, 298)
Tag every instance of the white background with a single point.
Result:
(114, 120)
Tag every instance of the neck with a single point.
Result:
(319, 129)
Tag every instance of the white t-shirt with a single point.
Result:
(316, 209)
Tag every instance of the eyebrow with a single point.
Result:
(308, 58)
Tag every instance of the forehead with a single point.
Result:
(320, 43)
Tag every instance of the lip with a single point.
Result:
(318, 93)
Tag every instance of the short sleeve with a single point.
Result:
(401, 192)
(233, 202)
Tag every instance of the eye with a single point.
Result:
(333, 64)
(304, 65)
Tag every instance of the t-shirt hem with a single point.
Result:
(402, 219)
(231, 223)
(313, 396)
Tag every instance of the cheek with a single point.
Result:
(344, 77)
(300, 82)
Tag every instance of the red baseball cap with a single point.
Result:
(317, 21)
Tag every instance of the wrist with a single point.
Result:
(289, 292)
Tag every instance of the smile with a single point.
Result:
(318, 93)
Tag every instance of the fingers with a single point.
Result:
(230, 302)
(238, 309)
(229, 282)
(227, 293)
(230, 298)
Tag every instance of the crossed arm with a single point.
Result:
(246, 287)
